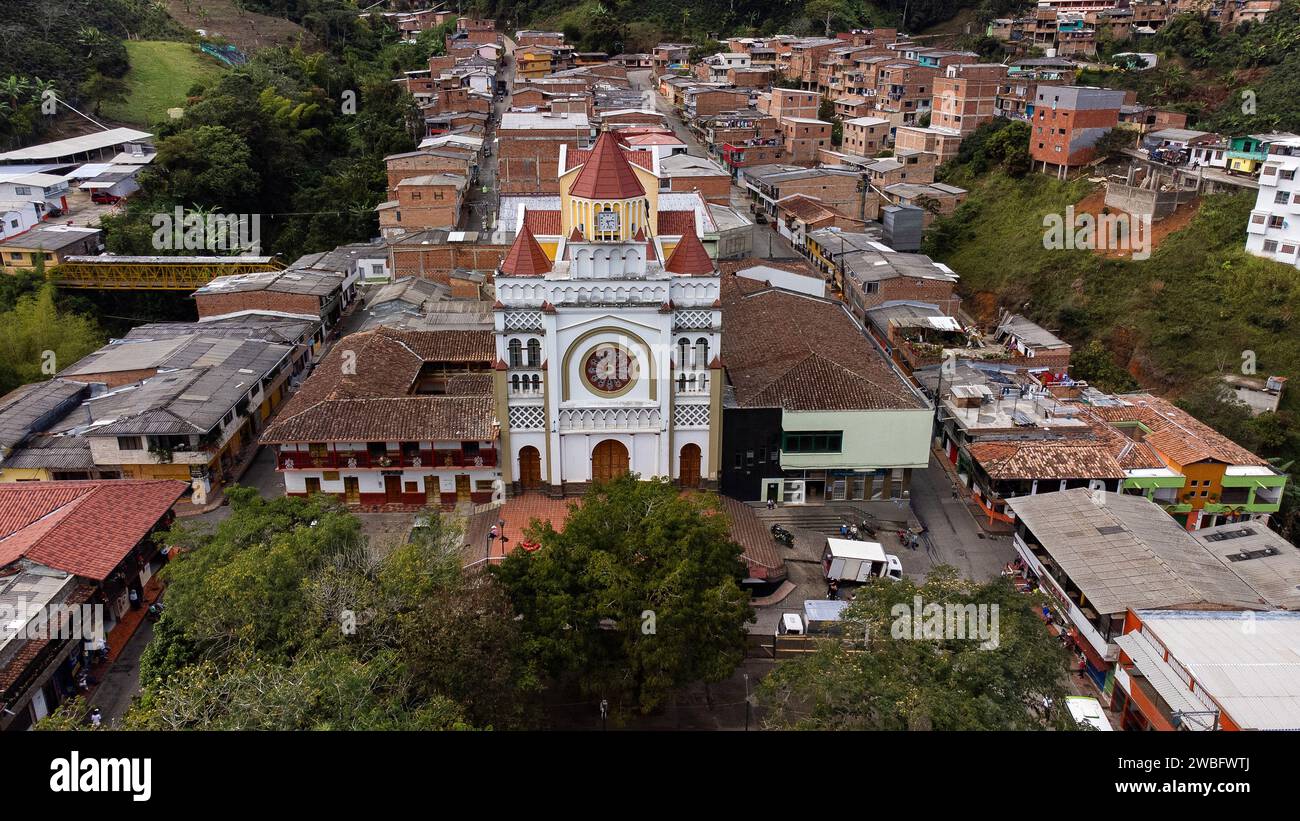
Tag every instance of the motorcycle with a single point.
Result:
(783, 536)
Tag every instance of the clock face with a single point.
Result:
(609, 369)
(607, 221)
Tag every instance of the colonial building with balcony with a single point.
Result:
(394, 419)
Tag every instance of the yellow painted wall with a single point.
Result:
(181, 472)
(24, 475)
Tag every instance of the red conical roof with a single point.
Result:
(575, 235)
(689, 257)
(526, 258)
(607, 175)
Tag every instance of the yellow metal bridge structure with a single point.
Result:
(129, 273)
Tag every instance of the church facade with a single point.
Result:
(608, 333)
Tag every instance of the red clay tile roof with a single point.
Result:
(676, 223)
(526, 258)
(808, 209)
(1176, 434)
(1063, 459)
(580, 156)
(754, 537)
(369, 378)
(607, 173)
(405, 419)
(546, 223)
(83, 528)
(798, 352)
(689, 257)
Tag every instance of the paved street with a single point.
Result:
(482, 202)
(766, 243)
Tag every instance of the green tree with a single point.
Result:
(637, 596)
(879, 676)
(101, 88)
(1094, 364)
(37, 339)
(283, 617)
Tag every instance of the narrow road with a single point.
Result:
(957, 539)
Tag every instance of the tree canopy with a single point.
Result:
(282, 618)
(885, 673)
(637, 596)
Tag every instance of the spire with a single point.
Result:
(526, 258)
(689, 257)
(607, 174)
(576, 235)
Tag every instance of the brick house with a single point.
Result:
(802, 138)
(529, 156)
(790, 102)
(966, 96)
(865, 136)
(871, 278)
(428, 201)
(939, 142)
(1068, 121)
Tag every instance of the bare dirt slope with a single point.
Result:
(248, 30)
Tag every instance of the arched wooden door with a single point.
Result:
(608, 461)
(530, 467)
(688, 465)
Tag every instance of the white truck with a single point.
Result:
(850, 560)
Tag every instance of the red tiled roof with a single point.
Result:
(526, 258)
(83, 528)
(546, 223)
(689, 257)
(676, 223)
(375, 392)
(607, 173)
(798, 352)
(1176, 434)
(580, 156)
(1063, 459)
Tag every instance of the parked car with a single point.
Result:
(104, 198)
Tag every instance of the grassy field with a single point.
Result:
(161, 72)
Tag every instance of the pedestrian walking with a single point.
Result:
(771, 504)
(96, 717)
(134, 595)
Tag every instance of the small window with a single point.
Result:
(130, 443)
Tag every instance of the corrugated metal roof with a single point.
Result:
(1150, 662)
(1125, 552)
(75, 145)
(1247, 663)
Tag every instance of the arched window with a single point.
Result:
(537, 383)
(701, 353)
(683, 347)
(514, 383)
(534, 353)
(516, 348)
(681, 383)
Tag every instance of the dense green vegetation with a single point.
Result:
(72, 47)
(283, 618)
(38, 337)
(879, 676)
(638, 596)
(295, 138)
